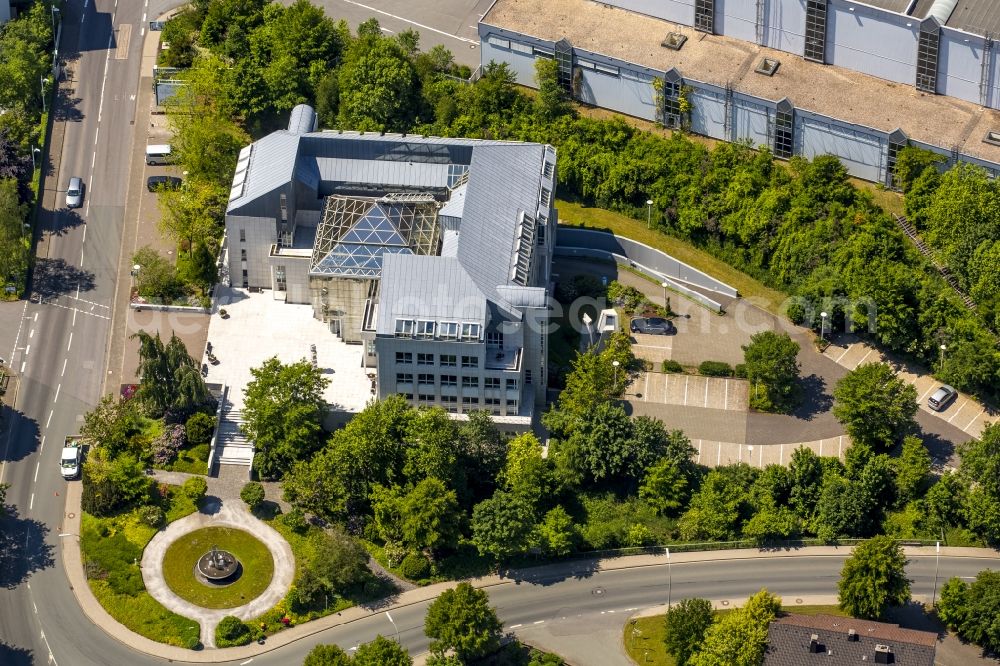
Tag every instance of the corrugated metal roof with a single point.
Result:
(455, 205)
(388, 173)
(272, 165)
(980, 17)
(427, 287)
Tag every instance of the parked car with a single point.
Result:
(652, 326)
(940, 399)
(74, 193)
(69, 462)
(154, 183)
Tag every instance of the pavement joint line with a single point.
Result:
(405, 20)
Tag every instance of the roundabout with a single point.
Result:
(218, 567)
(216, 562)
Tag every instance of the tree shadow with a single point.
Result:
(23, 549)
(210, 505)
(814, 399)
(24, 434)
(11, 655)
(55, 277)
(67, 107)
(942, 450)
(550, 574)
(64, 220)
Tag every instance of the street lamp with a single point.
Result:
(666, 303)
(649, 213)
(393, 623)
(822, 326)
(670, 580)
(34, 152)
(944, 348)
(42, 79)
(615, 364)
(937, 562)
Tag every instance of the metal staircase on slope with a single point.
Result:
(911, 233)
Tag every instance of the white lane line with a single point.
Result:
(515, 626)
(41, 446)
(82, 241)
(70, 343)
(926, 393)
(706, 393)
(27, 350)
(645, 393)
(406, 20)
(957, 411)
(63, 373)
(97, 134)
(49, 420)
(718, 455)
(242, 663)
(725, 404)
(74, 317)
(37, 465)
(541, 621)
(686, 391)
(969, 424)
(66, 307)
(31, 334)
(864, 358)
(391, 32)
(56, 399)
(31, 504)
(846, 349)
(23, 363)
(35, 318)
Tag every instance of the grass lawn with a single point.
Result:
(578, 215)
(139, 612)
(191, 460)
(182, 556)
(646, 645)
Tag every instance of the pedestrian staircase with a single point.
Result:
(232, 444)
(945, 272)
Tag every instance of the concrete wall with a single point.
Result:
(260, 233)
(641, 254)
(737, 18)
(785, 22)
(676, 11)
(708, 111)
(960, 67)
(296, 277)
(872, 41)
(862, 151)
(751, 119)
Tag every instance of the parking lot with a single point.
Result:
(691, 391)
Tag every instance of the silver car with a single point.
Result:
(74, 193)
(940, 399)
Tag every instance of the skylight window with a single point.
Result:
(404, 328)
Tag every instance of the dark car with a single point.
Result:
(154, 183)
(652, 326)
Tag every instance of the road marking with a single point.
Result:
(61, 374)
(70, 343)
(864, 358)
(66, 307)
(34, 606)
(56, 399)
(541, 621)
(35, 318)
(718, 454)
(37, 465)
(405, 20)
(23, 363)
(27, 350)
(74, 317)
(41, 446)
(96, 135)
(124, 36)
(645, 393)
(926, 393)
(699, 451)
(958, 410)
(242, 663)
(846, 349)
(725, 405)
(706, 393)
(31, 504)
(391, 32)
(969, 424)
(31, 334)
(515, 626)
(686, 379)
(49, 420)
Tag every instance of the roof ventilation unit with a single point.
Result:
(814, 646)
(852, 635)
(767, 66)
(884, 655)
(674, 41)
(993, 138)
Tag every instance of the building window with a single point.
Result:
(470, 332)
(449, 380)
(704, 16)
(540, 232)
(897, 141)
(406, 396)
(243, 235)
(404, 357)
(492, 382)
(564, 57)
(470, 382)
(470, 400)
(243, 254)
(815, 49)
(449, 361)
(425, 329)
(511, 384)
(491, 402)
(548, 170)
(404, 328)
(672, 83)
(470, 361)
(246, 280)
(494, 338)
(527, 376)
(283, 199)
(425, 380)
(425, 359)
(423, 397)
(280, 284)
(546, 197)
(404, 378)
(448, 330)
(449, 399)
(927, 56)
(512, 405)
(784, 130)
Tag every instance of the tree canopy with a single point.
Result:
(874, 578)
(876, 407)
(462, 620)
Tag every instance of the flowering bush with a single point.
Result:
(166, 446)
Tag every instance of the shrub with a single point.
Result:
(112, 558)
(152, 516)
(672, 366)
(166, 446)
(295, 520)
(715, 369)
(231, 632)
(629, 298)
(253, 494)
(415, 566)
(195, 488)
(200, 428)
(638, 535)
(740, 370)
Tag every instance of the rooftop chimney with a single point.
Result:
(814, 646)
(883, 654)
(852, 635)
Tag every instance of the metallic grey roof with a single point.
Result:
(427, 287)
(979, 17)
(898, 6)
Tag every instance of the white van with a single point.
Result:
(158, 154)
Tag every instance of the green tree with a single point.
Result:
(378, 86)
(740, 637)
(665, 487)
(557, 533)
(327, 655)
(953, 606)
(980, 464)
(156, 279)
(972, 609)
(462, 620)
(317, 485)
(231, 632)
(721, 505)
(525, 471)
(283, 410)
(381, 652)
(168, 378)
(338, 560)
(502, 525)
(194, 213)
(943, 503)
(873, 578)
(551, 100)
(483, 453)
(435, 449)
(430, 516)
(111, 424)
(253, 494)
(913, 468)
(772, 524)
(195, 489)
(13, 249)
(113, 481)
(686, 624)
(772, 369)
(875, 406)
(199, 428)
(615, 448)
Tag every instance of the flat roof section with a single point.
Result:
(824, 89)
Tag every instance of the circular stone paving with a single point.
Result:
(247, 582)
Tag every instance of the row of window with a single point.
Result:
(447, 360)
(467, 401)
(445, 330)
(425, 379)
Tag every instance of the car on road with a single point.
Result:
(69, 461)
(154, 183)
(652, 326)
(941, 398)
(74, 193)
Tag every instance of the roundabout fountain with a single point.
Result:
(218, 567)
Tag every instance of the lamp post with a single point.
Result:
(135, 276)
(649, 213)
(937, 562)
(615, 364)
(822, 326)
(670, 580)
(42, 80)
(393, 623)
(34, 153)
(666, 303)
(944, 348)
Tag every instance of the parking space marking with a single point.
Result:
(864, 358)
(725, 404)
(926, 393)
(974, 418)
(718, 458)
(846, 349)
(958, 410)
(706, 393)
(699, 451)
(686, 391)
(645, 394)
